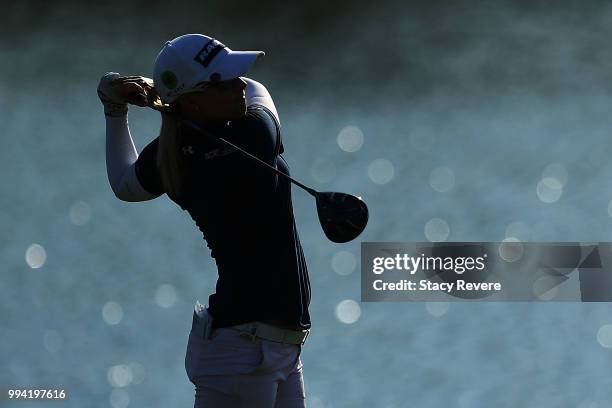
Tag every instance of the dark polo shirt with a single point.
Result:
(246, 216)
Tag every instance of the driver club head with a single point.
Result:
(343, 216)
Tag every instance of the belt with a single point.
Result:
(261, 330)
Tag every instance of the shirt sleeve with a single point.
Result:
(146, 169)
(121, 156)
(260, 134)
(257, 94)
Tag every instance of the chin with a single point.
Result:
(229, 114)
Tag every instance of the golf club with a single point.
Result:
(342, 216)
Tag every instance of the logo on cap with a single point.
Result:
(208, 52)
(169, 79)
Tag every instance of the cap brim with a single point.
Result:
(237, 63)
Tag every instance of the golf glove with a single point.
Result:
(114, 104)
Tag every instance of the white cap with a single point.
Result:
(188, 60)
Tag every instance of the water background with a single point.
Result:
(491, 92)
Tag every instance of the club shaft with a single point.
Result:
(255, 158)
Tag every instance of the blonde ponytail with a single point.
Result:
(169, 162)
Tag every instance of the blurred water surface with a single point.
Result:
(462, 112)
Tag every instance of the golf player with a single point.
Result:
(244, 348)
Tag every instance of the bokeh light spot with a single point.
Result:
(549, 190)
(35, 256)
(350, 139)
(437, 309)
(604, 335)
(165, 295)
(610, 208)
(52, 341)
(80, 213)
(112, 313)
(348, 311)
(119, 375)
(344, 262)
(511, 249)
(442, 179)
(437, 230)
(381, 171)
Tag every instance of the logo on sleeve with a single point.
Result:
(220, 152)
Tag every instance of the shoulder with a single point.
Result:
(146, 168)
(150, 150)
(257, 120)
(257, 132)
(257, 94)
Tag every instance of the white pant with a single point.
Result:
(230, 371)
